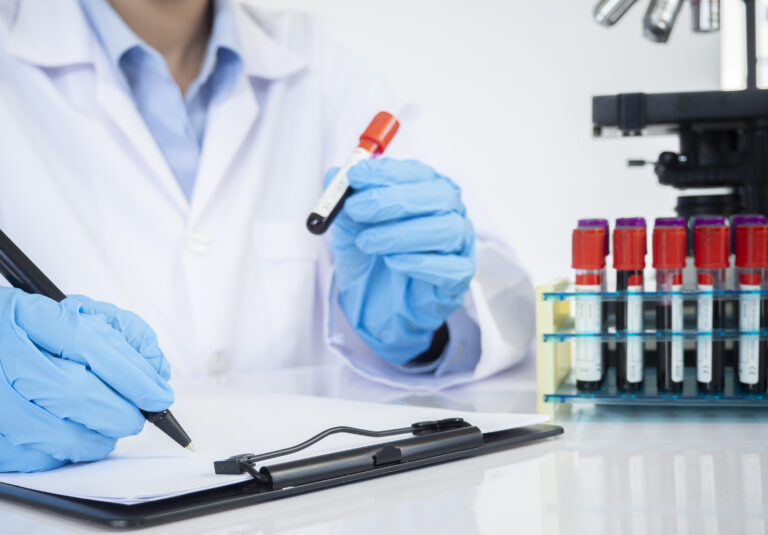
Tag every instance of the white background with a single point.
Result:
(510, 83)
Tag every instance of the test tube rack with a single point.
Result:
(555, 338)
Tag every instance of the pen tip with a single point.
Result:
(190, 447)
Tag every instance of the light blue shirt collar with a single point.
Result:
(121, 44)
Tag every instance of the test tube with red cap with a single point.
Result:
(669, 248)
(734, 222)
(606, 306)
(751, 266)
(373, 142)
(732, 280)
(629, 250)
(588, 259)
(710, 249)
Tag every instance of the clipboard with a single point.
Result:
(252, 492)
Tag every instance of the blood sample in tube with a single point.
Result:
(629, 250)
(669, 245)
(751, 266)
(588, 259)
(606, 305)
(710, 247)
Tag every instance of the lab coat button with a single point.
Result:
(198, 242)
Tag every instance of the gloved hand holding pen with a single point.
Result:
(403, 251)
(73, 376)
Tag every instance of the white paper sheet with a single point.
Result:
(222, 423)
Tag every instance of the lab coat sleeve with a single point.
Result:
(494, 328)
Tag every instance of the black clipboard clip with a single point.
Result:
(430, 439)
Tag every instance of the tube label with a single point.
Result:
(338, 186)
(704, 315)
(588, 319)
(749, 345)
(634, 342)
(677, 341)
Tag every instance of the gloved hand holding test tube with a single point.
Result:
(403, 250)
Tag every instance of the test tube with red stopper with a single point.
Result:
(629, 250)
(373, 142)
(734, 222)
(588, 259)
(710, 249)
(669, 248)
(751, 266)
(601, 223)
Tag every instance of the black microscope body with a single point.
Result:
(723, 139)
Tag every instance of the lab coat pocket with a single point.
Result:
(280, 299)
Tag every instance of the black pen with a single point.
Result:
(20, 272)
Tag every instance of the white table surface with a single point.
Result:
(613, 471)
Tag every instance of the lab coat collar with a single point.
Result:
(50, 34)
(56, 34)
(263, 55)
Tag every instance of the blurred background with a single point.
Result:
(510, 84)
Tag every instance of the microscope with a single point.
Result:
(723, 134)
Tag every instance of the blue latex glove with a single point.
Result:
(404, 254)
(73, 376)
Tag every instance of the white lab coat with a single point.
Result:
(232, 281)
